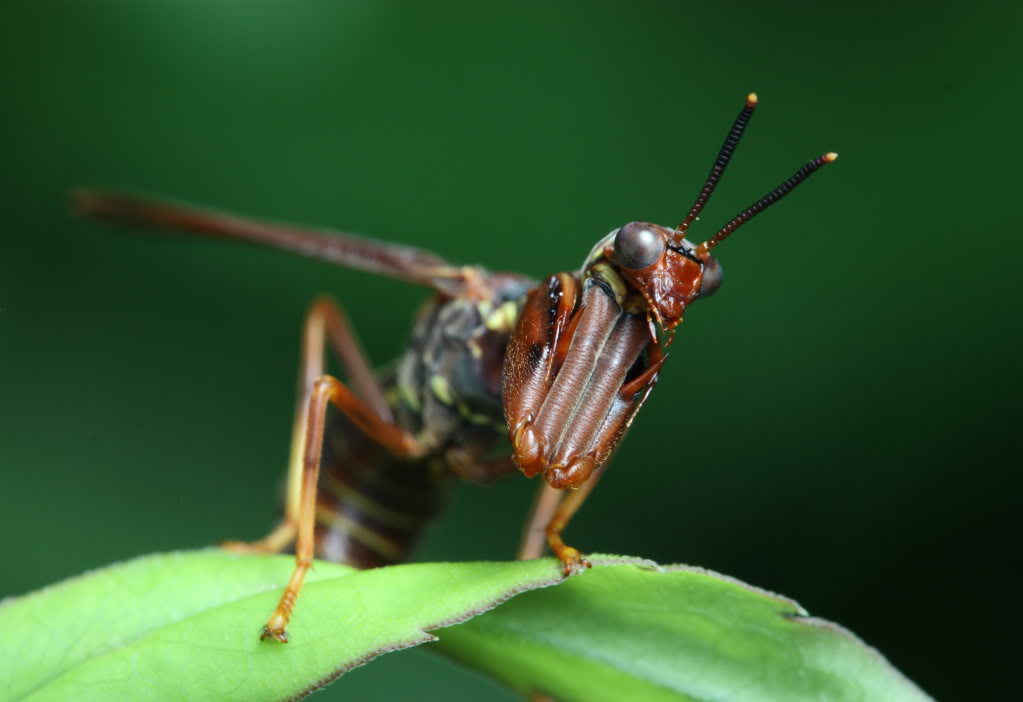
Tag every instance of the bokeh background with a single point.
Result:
(837, 424)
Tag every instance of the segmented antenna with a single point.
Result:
(768, 200)
(724, 155)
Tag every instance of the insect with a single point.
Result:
(561, 367)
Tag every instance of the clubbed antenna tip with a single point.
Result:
(724, 156)
(768, 200)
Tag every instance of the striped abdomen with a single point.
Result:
(445, 391)
(371, 507)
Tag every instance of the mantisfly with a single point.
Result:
(561, 367)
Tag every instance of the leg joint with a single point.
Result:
(324, 385)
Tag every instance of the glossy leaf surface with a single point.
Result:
(185, 626)
(630, 630)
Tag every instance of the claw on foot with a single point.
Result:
(572, 562)
(274, 629)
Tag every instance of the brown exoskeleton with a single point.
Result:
(561, 367)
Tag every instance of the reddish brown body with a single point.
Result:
(581, 353)
(588, 347)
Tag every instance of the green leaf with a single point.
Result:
(185, 626)
(630, 630)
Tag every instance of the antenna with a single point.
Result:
(768, 200)
(724, 156)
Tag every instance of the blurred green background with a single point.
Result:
(836, 424)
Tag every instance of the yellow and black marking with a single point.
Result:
(445, 391)
(371, 506)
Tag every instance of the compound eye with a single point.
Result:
(712, 274)
(638, 245)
